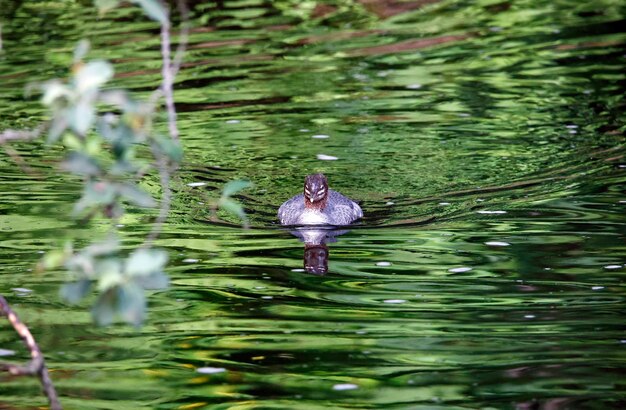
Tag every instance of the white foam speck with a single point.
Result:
(267, 297)
(22, 290)
(210, 370)
(190, 260)
(491, 212)
(297, 270)
(383, 263)
(613, 267)
(444, 203)
(597, 287)
(345, 386)
(194, 184)
(320, 136)
(325, 157)
(497, 243)
(529, 316)
(394, 301)
(460, 270)
(415, 86)
(390, 203)
(233, 122)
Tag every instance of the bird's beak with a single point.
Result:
(311, 199)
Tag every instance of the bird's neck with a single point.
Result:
(315, 206)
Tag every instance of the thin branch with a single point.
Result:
(167, 86)
(183, 36)
(21, 135)
(37, 365)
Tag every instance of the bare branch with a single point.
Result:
(21, 135)
(183, 36)
(167, 86)
(36, 366)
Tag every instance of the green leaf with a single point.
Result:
(154, 9)
(81, 164)
(157, 280)
(96, 193)
(103, 311)
(81, 116)
(53, 91)
(232, 207)
(109, 272)
(75, 291)
(105, 5)
(235, 186)
(132, 303)
(81, 49)
(92, 75)
(136, 195)
(105, 247)
(57, 126)
(53, 259)
(169, 147)
(144, 262)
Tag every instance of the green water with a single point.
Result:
(484, 141)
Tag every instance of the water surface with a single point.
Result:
(484, 141)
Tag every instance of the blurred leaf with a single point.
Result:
(153, 9)
(132, 303)
(58, 125)
(235, 186)
(157, 280)
(92, 75)
(109, 271)
(75, 291)
(144, 262)
(109, 245)
(72, 142)
(82, 264)
(81, 116)
(96, 193)
(81, 49)
(54, 90)
(120, 99)
(93, 145)
(233, 207)
(103, 310)
(136, 195)
(170, 148)
(52, 259)
(105, 5)
(81, 164)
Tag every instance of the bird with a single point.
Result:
(319, 205)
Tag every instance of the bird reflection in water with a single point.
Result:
(316, 251)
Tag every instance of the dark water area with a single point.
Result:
(484, 141)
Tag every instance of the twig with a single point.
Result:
(21, 135)
(168, 79)
(183, 36)
(37, 365)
